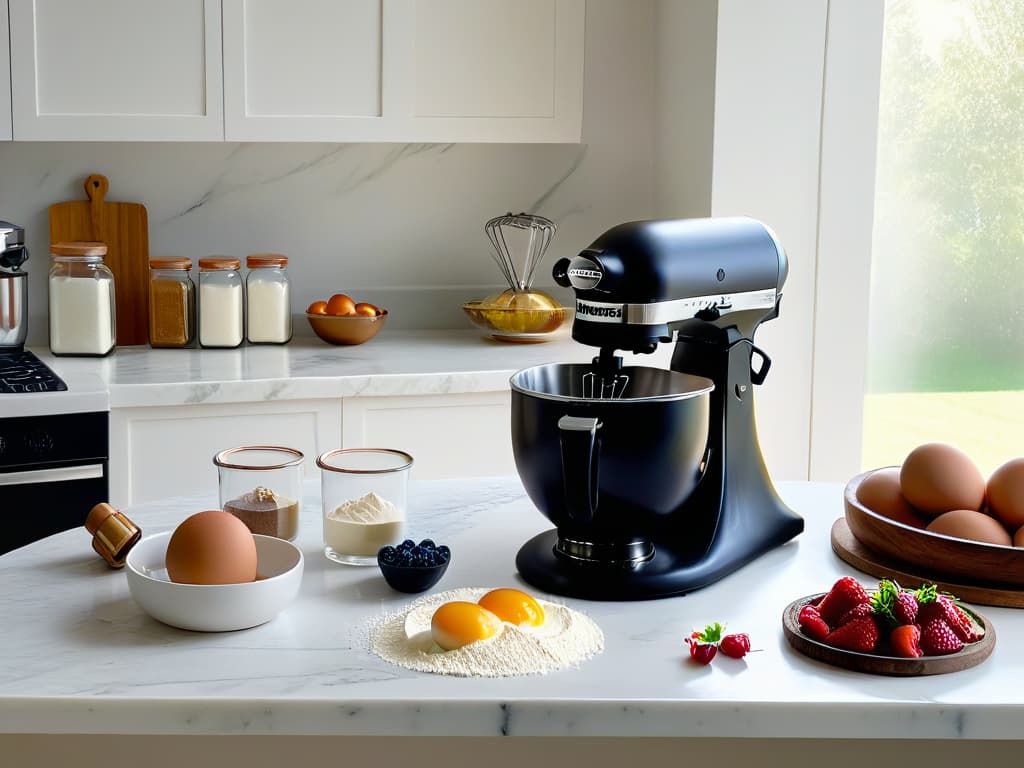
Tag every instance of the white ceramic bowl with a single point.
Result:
(218, 607)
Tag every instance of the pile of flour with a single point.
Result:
(566, 638)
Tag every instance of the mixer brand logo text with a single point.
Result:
(600, 312)
(590, 274)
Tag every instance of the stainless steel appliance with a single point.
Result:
(20, 370)
(654, 478)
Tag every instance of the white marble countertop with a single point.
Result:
(79, 656)
(399, 362)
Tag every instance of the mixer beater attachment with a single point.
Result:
(607, 382)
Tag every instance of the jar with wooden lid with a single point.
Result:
(267, 298)
(172, 302)
(221, 309)
(82, 310)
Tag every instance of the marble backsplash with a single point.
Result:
(396, 224)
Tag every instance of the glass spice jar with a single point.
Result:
(172, 302)
(82, 310)
(261, 485)
(268, 318)
(220, 302)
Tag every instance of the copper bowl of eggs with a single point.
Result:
(938, 514)
(214, 607)
(346, 329)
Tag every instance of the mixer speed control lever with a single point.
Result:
(757, 376)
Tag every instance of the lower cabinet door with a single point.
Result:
(156, 453)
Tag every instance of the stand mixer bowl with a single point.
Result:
(608, 471)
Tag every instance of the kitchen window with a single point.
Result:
(946, 310)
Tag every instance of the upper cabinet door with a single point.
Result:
(404, 70)
(116, 70)
(5, 76)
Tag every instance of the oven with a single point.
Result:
(53, 470)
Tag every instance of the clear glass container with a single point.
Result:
(365, 496)
(261, 485)
(172, 302)
(221, 303)
(268, 318)
(82, 311)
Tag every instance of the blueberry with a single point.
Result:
(444, 554)
(407, 544)
(387, 555)
(405, 559)
(428, 544)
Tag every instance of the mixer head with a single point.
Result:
(641, 280)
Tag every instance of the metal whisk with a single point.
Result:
(519, 242)
(600, 387)
(608, 382)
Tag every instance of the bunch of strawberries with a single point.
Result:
(892, 621)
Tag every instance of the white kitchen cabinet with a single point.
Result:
(168, 451)
(404, 70)
(5, 76)
(116, 70)
(456, 435)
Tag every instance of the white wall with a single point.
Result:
(399, 225)
(685, 107)
(769, 79)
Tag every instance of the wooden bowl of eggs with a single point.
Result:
(938, 513)
(212, 575)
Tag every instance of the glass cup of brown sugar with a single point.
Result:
(261, 485)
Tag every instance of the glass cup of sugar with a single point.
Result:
(364, 492)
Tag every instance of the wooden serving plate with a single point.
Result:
(956, 559)
(849, 549)
(898, 666)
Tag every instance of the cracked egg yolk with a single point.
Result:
(513, 606)
(460, 623)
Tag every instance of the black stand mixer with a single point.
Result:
(654, 478)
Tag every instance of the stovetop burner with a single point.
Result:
(22, 371)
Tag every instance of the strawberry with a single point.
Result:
(906, 641)
(943, 608)
(702, 653)
(844, 595)
(735, 646)
(858, 611)
(938, 639)
(905, 608)
(970, 635)
(704, 643)
(812, 624)
(859, 635)
(895, 605)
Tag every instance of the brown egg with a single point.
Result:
(362, 308)
(937, 478)
(1018, 537)
(968, 524)
(880, 492)
(1005, 494)
(212, 547)
(317, 308)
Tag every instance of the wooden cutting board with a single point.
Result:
(124, 228)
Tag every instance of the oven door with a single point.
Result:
(42, 501)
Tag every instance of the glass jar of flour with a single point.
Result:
(268, 318)
(82, 319)
(220, 302)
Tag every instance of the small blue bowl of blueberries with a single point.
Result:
(411, 567)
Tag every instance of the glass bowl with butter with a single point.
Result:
(364, 493)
